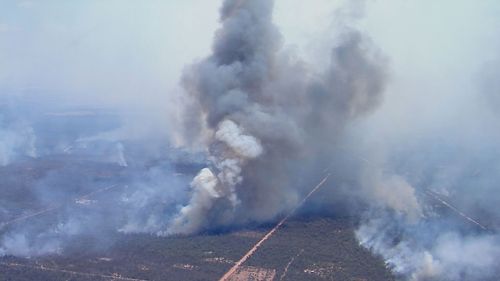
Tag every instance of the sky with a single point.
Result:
(124, 55)
(123, 52)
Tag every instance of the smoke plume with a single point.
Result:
(263, 115)
(269, 121)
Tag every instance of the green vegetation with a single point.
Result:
(330, 252)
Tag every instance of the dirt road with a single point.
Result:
(270, 233)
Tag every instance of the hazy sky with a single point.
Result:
(127, 52)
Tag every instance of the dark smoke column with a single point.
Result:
(257, 111)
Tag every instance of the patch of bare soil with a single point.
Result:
(219, 260)
(324, 270)
(250, 273)
(185, 266)
(249, 234)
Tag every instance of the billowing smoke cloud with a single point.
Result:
(263, 115)
(437, 220)
(268, 120)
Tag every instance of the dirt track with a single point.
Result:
(453, 208)
(75, 273)
(56, 207)
(289, 264)
(239, 263)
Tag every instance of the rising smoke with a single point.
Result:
(17, 139)
(263, 115)
(268, 120)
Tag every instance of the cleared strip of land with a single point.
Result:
(239, 263)
(56, 207)
(70, 272)
(454, 209)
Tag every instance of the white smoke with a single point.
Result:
(205, 191)
(237, 149)
(445, 256)
(419, 241)
(245, 146)
(121, 160)
(16, 142)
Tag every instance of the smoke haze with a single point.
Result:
(207, 115)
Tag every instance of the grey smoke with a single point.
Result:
(257, 110)
(298, 118)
